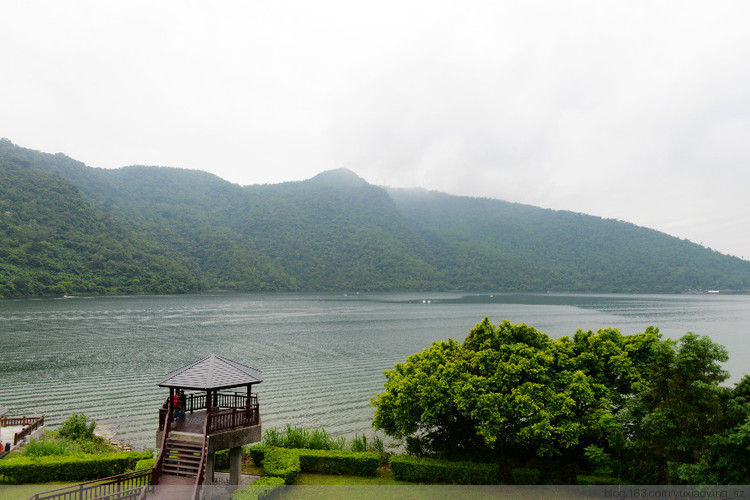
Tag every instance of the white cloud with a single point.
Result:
(633, 110)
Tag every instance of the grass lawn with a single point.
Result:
(24, 491)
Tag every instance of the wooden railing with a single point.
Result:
(163, 425)
(131, 485)
(202, 465)
(232, 418)
(30, 424)
(229, 410)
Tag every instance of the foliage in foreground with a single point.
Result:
(319, 439)
(630, 407)
(80, 467)
(276, 462)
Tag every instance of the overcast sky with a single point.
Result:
(636, 110)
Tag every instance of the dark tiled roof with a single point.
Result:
(212, 372)
(3, 410)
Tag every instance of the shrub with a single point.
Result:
(221, 459)
(264, 488)
(258, 453)
(526, 475)
(44, 448)
(323, 461)
(429, 470)
(597, 480)
(76, 427)
(79, 467)
(283, 463)
(339, 462)
(146, 463)
(297, 437)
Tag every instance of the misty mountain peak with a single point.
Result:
(340, 177)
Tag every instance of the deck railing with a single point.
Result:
(30, 424)
(126, 486)
(229, 410)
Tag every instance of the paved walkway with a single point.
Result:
(7, 434)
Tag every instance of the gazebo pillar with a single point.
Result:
(235, 465)
(211, 457)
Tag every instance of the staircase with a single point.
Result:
(182, 459)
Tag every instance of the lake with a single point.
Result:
(322, 355)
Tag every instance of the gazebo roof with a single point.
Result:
(212, 372)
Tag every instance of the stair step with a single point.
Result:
(182, 458)
(183, 470)
(193, 448)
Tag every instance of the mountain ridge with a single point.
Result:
(337, 232)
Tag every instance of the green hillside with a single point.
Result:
(494, 244)
(166, 230)
(52, 242)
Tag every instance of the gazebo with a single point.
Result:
(212, 417)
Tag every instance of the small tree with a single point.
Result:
(77, 427)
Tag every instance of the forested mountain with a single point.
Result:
(69, 228)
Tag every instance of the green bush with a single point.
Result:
(77, 428)
(221, 459)
(258, 453)
(597, 480)
(79, 467)
(297, 437)
(265, 488)
(44, 448)
(339, 462)
(325, 461)
(429, 470)
(146, 463)
(283, 463)
(525, 475)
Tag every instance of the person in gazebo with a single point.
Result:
(183, 404)
(176, 406)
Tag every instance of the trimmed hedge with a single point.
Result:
(258, 453)
(146, 463)
(80, 467)
(597, 480)
(221, 460)
(326, 461)
(265, 488)
(526, 475)
(339, 462)
(430, 470)
(283, 463)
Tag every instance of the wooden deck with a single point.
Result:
(193, 423)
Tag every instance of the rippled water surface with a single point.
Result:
(322, 356)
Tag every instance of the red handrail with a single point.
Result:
(202, 465)
(109, 486)
(163, 450)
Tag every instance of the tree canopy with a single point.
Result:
(649, 407)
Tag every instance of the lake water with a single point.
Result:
(322, 355)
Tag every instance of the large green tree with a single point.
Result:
(687, 427)
(511, 389)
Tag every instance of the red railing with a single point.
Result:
(202, 465)
(30, 424)
(232, 411)
(232, 418)
(164, 426)
(131, 485)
